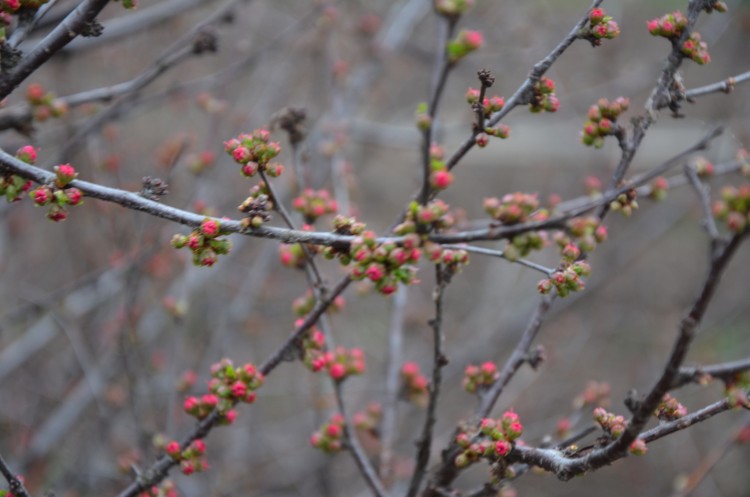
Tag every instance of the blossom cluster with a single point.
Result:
(669, 409)
(166, 488)
(340, 363)
(254, 151)
(543, 96)
(13, 186)
(614, 426)
(601, 26)
(44, 104)
(204, 243)
(672, 25)
(440, 177)
(192, 458)
(463, 44)
(476, 377)
(494, 441)
(384, 264)
(329, 438)
(229, 384)
(565, 280)
(435, 215)
(369, 419)
(625, 203)
(314, 204)
(513, 208)
(585, 232)
(734, 207)
(58, 195)
(305, 303)
(602, 118)
(414, 383)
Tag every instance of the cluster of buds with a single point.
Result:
(602, 118)
(615, 426)
(734, 207)
(257, 207)
(314, 204)
(659, 188)
(422, 116)
(488, 105)
(625, 203)
(305, 303)
(44, 104)
(601, 26)
(453, 259)
(501, 131)
(414, 385)
(293, 255)
(329, 438)
(584, 232)
(696, 49)
(343, 225)
(513, 208)
(544, 98)
(229, 384)
(204, 243)
(339, 363)
(612, 424)
(13, 186)
(384, 264)
(463, 44)
(668, 25)
(566, 280)
(522, 245)
(494, 441)
(192, 459)
(166, 488)
(595, 393)
(199, 162)
(671, 26)
(369, 419)
(452, 8)
(440, 177)
(669, 409)
(477, 377)
(434, 216)
(254, 151)
(703, 167)
(59, 194)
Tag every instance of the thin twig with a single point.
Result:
(70, 27)
(725, 86)
(703, 194)
(15, 485)
(424, 444)
(724, 371)
(520, 96)
(392, 381)
(23, 28)
(499, 253)
(444, 67)
(360, 458)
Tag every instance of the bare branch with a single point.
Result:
(64, 33)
